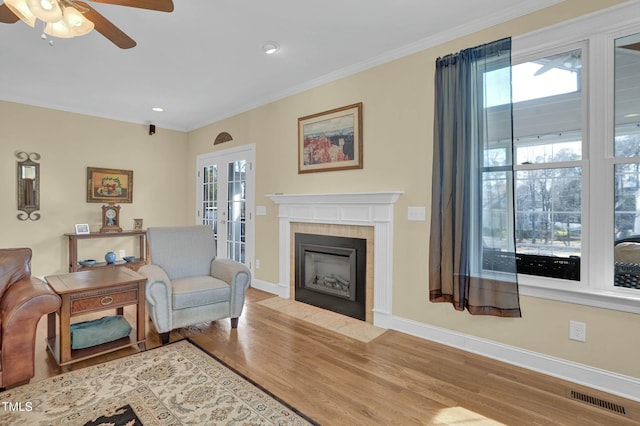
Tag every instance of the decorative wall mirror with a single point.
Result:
(28, 185)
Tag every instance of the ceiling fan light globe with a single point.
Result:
(45, 10)
(58, 29)
(22, 11)
(76, 22)
(72, 17)
(47, 4)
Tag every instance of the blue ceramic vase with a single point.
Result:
(110, 257)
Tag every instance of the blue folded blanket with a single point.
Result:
(95, 332)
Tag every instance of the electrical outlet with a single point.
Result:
(578, 331)
(122, 254)
(257, 263)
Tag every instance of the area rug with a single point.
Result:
(175, 384)
(351, 327)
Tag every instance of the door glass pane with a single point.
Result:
(236, 208)
(627, 174)
(210, 197)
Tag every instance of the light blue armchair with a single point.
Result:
(187, 284)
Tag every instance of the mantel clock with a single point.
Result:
(111, 218)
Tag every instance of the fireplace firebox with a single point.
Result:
(330, 273)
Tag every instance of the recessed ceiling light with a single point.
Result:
(270, 47)
(157, 109)
(631, 115)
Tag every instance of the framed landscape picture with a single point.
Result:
(330, 140)
(109, 185)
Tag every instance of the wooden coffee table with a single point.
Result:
(93, 291)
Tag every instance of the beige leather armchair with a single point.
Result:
(187, 284)
(23, 301)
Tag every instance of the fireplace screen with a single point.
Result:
(331, 273)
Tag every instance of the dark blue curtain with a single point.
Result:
(472, 186)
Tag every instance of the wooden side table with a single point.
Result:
(93, 291)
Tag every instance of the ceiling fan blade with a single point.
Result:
(107, 28)
(160, 5)
(550, 65)
(632, 46)
(6, 15)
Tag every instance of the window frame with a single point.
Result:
(595, 34)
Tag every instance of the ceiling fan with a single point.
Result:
(69, 18)
(570, 61)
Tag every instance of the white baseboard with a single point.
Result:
(606, 381)
(269, 287)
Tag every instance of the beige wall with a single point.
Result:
(398, 111)
(68, 144)
(397, 114)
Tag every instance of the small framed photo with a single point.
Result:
(82, 228)
(330, 140)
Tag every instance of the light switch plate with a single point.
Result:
(261, 210)
(417, 213)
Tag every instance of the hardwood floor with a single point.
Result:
(396, 379)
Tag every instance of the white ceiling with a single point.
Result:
(203, 61)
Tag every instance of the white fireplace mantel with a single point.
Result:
(361, 208)
(344, 198)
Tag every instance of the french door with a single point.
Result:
(225, 200)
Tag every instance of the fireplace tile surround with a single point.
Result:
(337, 230)
(367, 215)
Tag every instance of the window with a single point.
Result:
(548, 154)
(547, 132)
(627, 162)
(576, 127)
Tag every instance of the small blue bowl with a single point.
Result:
(129, 258)
(87, 262)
